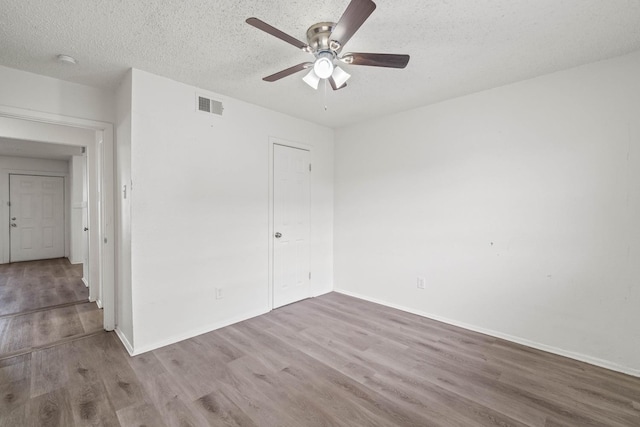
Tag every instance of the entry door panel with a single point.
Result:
(37, 217)
(291, 274)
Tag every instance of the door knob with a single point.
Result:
(278, 235)
(13, 224)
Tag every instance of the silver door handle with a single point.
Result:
(278, 235)
(13, 224)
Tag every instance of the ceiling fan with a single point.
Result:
(325, 41)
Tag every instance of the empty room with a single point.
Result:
(340, 213)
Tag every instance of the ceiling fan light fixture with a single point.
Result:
(340, 76)
(311, 79)
(323, 67)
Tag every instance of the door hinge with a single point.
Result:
(309, 167)
(8, 203)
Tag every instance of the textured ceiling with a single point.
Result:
(456, 47)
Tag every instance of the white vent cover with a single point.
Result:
(208, 105)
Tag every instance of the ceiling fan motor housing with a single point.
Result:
(318, 37)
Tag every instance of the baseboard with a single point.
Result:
(518, 340)
(322, 293)
(86, 284)
(99, 302)
(194, 333)
(124, 340)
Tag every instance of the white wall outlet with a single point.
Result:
(421, 282)
(219, 293)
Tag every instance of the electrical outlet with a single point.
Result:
(421, 282)
(219, 293)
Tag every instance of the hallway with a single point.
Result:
(43, 303)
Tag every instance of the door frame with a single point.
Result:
(291, 144)
(98, 138)
(65, 207)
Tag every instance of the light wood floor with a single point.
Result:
(42, 303)
(328, 361)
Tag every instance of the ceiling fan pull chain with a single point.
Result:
(325, 94)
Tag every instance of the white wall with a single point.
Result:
(30, 91)
(25, 165)
(199, 209)
(519, 205)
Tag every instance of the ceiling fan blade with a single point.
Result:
(353, 17)
(333, 84)
(288, 72)
(376, 59)
(261, 25)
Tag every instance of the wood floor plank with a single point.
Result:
(48, 369)
(15, 368)
(219, 410)
(90, 317)
(143, 414)
(169, 401)
(288, 398)
(50, 410)
(110, 362)
(17, 333)
(13, 394)
(91, 406)
(188, 363)
(54, 325)
(16, 416)
(244, 392)
(166, 394)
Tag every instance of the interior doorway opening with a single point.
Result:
(97, 140)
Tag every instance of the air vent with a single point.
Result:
(207, 105)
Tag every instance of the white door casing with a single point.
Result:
(291, 206)
(36, 217)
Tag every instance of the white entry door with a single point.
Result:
(291, 274)
(37, 217)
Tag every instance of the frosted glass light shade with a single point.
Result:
(311, 79)
(323, 67)
(340, 76)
